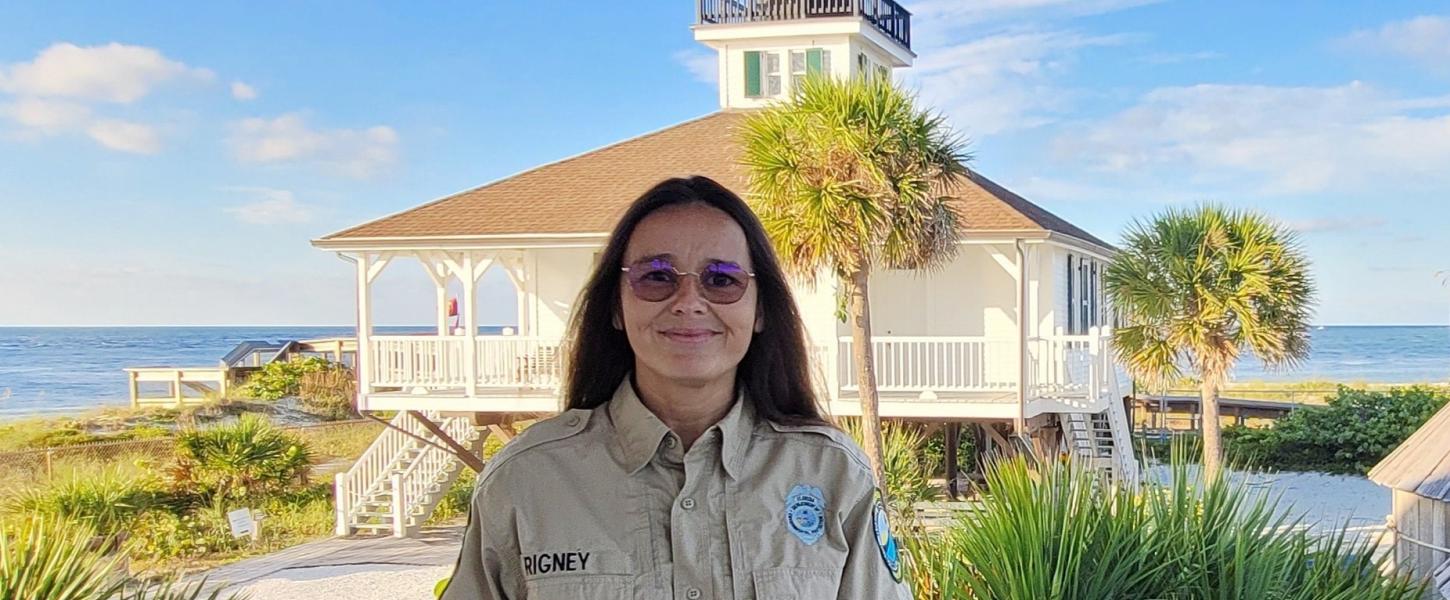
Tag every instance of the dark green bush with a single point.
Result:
(282, 378)
(1350, 434)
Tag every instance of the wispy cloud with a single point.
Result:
(63, 88)
(703, 66)
(125, 136)
(1336, 224)
(1287, 139)
(114, 72)
(242, 91)
(1005, 81)
(269, 206)
(359, 153)
(1175, 58)
(1424, 39)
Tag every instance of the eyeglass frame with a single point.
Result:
(749, 276)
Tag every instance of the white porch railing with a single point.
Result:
(430, 361)
(417, 361)
(936, 363)
(1070, 366)
(519, 361)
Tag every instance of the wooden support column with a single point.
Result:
(459, 450)
(953, 432)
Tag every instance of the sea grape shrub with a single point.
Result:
(281, 379)
(1350, 434)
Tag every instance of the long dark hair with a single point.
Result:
(775, 372)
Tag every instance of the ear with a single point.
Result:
(617, 321)
(759, 323)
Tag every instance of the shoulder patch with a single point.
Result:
(885, 541)
(558, 427)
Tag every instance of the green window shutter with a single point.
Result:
(752, 73)
(813, 61)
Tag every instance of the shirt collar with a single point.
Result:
(639, 431)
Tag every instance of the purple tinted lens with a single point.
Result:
(653, 280)
(723, 283)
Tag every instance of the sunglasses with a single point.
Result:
(656, 280)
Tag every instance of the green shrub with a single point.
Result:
(107, 500)
(280, 379)
(232, 461)
(166, 535)
(907, 463)
(1057, 532)
(1350, 434)
(457, 499)
(61, 560)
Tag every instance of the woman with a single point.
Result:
(692, 461)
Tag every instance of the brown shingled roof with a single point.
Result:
(587, 193)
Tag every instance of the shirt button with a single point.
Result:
(692, 593)
(669, 442)
(572, 420)
(687, 503)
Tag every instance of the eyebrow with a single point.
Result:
(671, 258)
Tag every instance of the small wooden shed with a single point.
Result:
(1418, 474)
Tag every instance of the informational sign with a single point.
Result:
(241, 521)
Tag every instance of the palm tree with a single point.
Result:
(1195, 288)
(849, 176)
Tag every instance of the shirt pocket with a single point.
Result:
(574, 587)
(795, 583)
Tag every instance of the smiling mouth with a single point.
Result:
(689, 336)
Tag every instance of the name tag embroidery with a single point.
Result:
(555, 562)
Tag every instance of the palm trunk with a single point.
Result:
(861, 357)
(1212, 438)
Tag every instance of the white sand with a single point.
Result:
(348, 582)
(1322, 501)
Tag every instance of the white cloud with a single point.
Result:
(1285, 139)
(1424, 39)
(357, 153)
(270, 207)
(48, 117)
(125, 136)
(703, 66)
(1336, 224)
(1174, 58)
(242, 91)
(111, 73)
(1002, 82)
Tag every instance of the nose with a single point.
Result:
(687, 299)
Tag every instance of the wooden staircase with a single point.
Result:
(395, 485)
(1103, 441)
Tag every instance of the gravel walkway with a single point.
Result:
(356, 568)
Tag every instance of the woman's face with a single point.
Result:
(686, 338)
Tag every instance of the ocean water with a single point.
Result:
(71, 369)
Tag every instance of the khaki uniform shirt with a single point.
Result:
(602, 504)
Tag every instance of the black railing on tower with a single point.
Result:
(886, 15)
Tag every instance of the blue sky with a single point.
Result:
(168, 164)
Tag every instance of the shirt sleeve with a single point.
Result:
(487, 566)
(867, 573)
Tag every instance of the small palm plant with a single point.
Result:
(1197, 288)
(250, 456)
(848, 177)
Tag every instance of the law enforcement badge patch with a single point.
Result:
(885, 541)
(805, 513)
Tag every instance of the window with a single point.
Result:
(1071, 322)
(772, 74)
(808, 62)
(762, 74)
(863, 64)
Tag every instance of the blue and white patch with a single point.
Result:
(805, 513)
(881, 526)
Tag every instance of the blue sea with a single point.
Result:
(71, 369)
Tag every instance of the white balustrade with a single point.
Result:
(417, 360)
(937, 363)
(519, 361)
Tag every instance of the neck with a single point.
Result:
(688, 408)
